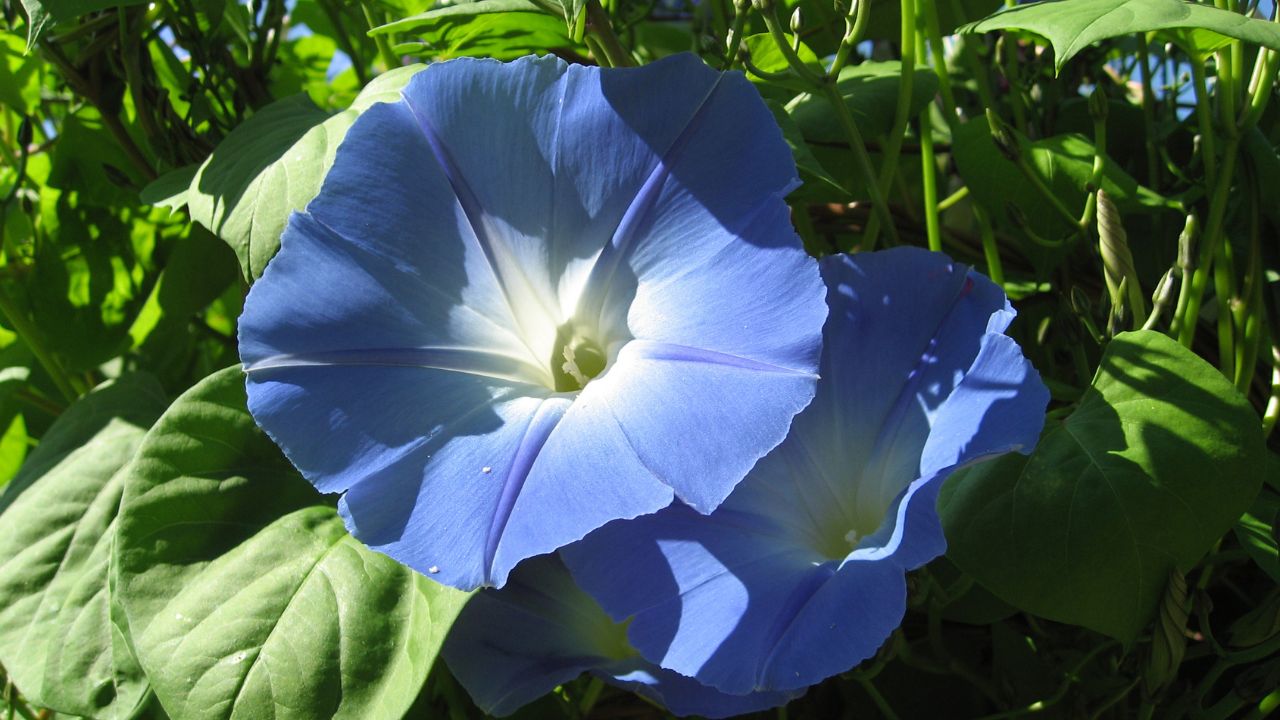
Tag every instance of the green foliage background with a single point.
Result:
(1111, 163)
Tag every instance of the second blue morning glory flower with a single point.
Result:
(532, 298)
(800, 574)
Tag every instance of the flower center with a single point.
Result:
(580, 360)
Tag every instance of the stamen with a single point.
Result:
(570, 366)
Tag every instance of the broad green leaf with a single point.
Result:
(170, 190)
(504, 36)
(870, 89)
(1072, 25)
(425, 21)
(1063, 162)
(1160, 459)
(242, 592)
(810, 168)
(57, 525)
(269, 166)
(766, 57)
(246, 189)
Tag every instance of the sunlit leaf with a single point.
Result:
(1072, 25)
(57, 526)
(242, 592)
(268, 167)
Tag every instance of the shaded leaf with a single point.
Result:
(1157, 462)
(1256, 530)
(499, 35)
(810, 168)
(870, 89)
(424, 21)
(56, 532)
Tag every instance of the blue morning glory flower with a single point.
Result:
(532, 298)
(800, 573)
(511, 646)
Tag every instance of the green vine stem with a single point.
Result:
(1204, 117)
(928, 160)
(334, 16)
(1148, 111)
(1210, 240)
(769, 13)
(902, 113)
(740, 8)
(933, 36)
(951, 200)
(855, 26)
(859, 148)
(599, 25)
(384, 46)
(826, 84)
(990, 248)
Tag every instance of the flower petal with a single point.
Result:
(511, 646)
(905, 326)
(800, 573)
(700, 419)
(705, 594)
(410, 331)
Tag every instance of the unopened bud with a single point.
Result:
(1186, 244)
(796, 22)
(1117, 260)
(1169, 634)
